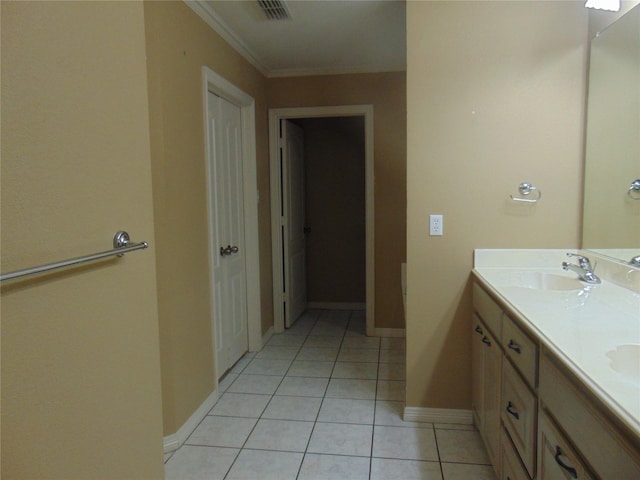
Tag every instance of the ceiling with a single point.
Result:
(321, 37)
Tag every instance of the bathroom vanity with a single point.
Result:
(556, 366)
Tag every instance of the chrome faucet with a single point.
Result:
(635, 261)
(583, 269)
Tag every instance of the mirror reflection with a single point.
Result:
(611, 223)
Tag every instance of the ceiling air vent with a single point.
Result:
(274, 9)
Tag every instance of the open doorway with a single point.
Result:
(323, 285)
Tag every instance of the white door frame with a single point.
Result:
(212, 82)
(277, 114)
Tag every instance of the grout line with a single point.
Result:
(435, 436)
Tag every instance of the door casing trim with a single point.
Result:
(212, 82)
(277, 114)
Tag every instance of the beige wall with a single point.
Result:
(179, 43)
(80, 361)
(387, 93)
(335, 209)
(495, 95)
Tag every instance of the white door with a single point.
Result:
(229, 274)
(295, 244)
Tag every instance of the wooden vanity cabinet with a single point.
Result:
(487, 374)
(519, 416)
(607, 449)
(512, 468)
(557, 460)
(537, 420)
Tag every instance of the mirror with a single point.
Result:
(611, 222)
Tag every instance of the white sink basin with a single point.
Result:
(538, 280)
(625, 360)
(550, 281)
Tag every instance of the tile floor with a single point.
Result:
(324, 401)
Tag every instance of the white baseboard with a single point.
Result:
(267, 335)
(174, 441)
(438, 415)
(337, 305)
(389, 332)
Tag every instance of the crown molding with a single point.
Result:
(307, 72)
(211, 18)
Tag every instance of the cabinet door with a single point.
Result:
(512, 468)
(556, 459)
(492, 387)
(477, 372)
(519, 415)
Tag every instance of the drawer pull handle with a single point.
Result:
(511, 411)
(570, 470)
(486, 341)
(514, 346)
(479, 330)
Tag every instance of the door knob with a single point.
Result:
(228, 250)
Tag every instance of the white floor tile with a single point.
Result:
(200, 463)
(264, 366)
(283, 435)
(352, 388)
(240, 405)
(278, 352)
(317, 354)
(226, 382)
(246, 383)
(303, 386)
(241, 365)
(265, 465)
(365, 371)
(335, 316)
(390, 343)
(328, 330)
(293, 408)
(358, 355)
(392, 371)
(341, 439)
(458, 471)
(310, 368)
(321, 386)
(319, 341)
(298, 330)
(461, 446)
(386, 469)
(333, 467)
(286, 340)
(392, 356)
(345, 410)
(391, 390)
(361, 342)
(405, 443)
(222, 431)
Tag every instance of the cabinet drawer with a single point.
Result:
(512, 468)
(521, 350)
(609, 455)
(519, 415)
(488, 310)
(557, 460)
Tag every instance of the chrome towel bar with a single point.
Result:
(121, 245)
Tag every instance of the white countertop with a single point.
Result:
(594, 330)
